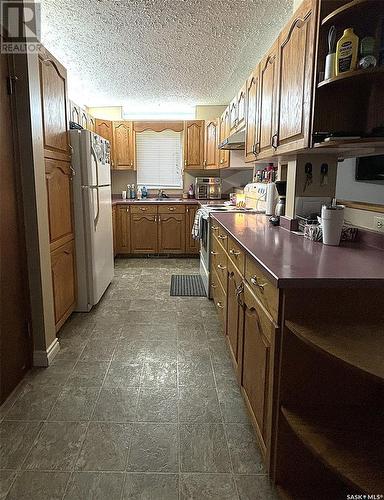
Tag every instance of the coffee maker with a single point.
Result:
(281, 187)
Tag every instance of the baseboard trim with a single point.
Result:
(45, 358)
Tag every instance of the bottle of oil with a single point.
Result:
(346, 51)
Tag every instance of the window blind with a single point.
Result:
(158, 159)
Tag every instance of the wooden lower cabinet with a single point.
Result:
(114, 230)
(171, 233)
(191, 246)
(63, 281)
(235, 316)
(219, 297)
(259, 331)
(122, 239)
(144, 234)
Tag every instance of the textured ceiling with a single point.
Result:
(145, 52)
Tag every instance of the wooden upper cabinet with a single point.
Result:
(123, 145)
(91, 123)
(252, 126)
(241, 107)
(53, 86)
(74, 112)
(233, 116)
(83, 118)
(268, 85)
(194, 144)
(224, 134)
(59, 194)
(104, 128)
(211, 152)
(296, 46)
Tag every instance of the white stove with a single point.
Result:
(205, 243)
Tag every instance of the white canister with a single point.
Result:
(332, 219)
(124, 195)
(330, 62)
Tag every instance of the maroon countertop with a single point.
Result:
(117, 200)
(293, 261)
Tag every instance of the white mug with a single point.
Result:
(124, 195)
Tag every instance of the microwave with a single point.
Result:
(208, 188)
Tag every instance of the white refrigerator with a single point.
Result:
(93, 216)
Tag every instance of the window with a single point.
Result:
(158, 157)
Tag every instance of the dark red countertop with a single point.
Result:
(117, 200)
(293, 261)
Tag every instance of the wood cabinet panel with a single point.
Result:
(83, 118)
(219, 262)
(256, 376)
(241, 107)
(236, 255)
(123, 145)
(63, 281)
(233, 116)
(53, 88)
(268, 86)
(234, 328)
(91, 123)
(224, 157)
(123, 233)
(114, 229)
(171, 233)
(295, 75)
(171, 209)
(194, 144)
(219, 298)
(144, 237)
(252, 121)
(191, 246)
(59, 194)
(261, 286)
(74, 112)
(144, 209)
(211, 155)
(105, 129)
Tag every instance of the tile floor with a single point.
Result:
(140, 403)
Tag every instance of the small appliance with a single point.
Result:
(261, 196)
(208, 188)
(281, 188)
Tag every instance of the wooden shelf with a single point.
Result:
(352, 145)
(348, 8)
(359, 346)
(349, 447)
(357, 74)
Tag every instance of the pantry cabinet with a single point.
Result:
(192, 246)
(123, 145)
(252, 121)
(194, 131)
(296, 47)
(267, 103)
(211, 152)
(171, 233)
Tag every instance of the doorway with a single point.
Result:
(15, 335)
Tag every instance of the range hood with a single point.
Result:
(234, 141)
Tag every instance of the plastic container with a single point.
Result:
(332, 219)
(346, 52)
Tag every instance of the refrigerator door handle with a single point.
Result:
(93, 153)
(96, 219)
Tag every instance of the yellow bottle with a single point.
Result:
(346, 52)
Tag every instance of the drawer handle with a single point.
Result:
(235, 253)
(143, 209)
(171, 209)
(213, 285)
(215, 228)
(222, 237)
(220, 305)
(255, 282)
(214, 253)
(221, 267)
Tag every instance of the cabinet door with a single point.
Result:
(251, 131)
(224, 134)
(171, 233)
(258, 333)
(295, 75)
(268, 83)
(104, 128)
(233, 116)
(91, 123)
(191, 245)
(123, 234)
(114, 229)
(53, 87)
(123, 145)
(211, 156)
(59, 195)
(194, 144)
(241, 107)
(144, 234)
(235, 316)
(74, 112)
(63, 281)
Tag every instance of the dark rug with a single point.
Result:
(187, 285)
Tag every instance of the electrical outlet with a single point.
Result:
(379, 224)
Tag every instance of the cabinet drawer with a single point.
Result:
(236, 254)
(219, 298)
(122, 206)
(219, 262)
(221, 235)
(146, 209)
(171, 209)
(262, 287)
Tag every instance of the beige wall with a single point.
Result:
(107, 113)
(209, 112)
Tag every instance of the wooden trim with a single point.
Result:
(157, 126)
(359, 205)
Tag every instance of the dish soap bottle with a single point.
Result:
(346, 51)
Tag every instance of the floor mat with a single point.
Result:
(187, 285)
